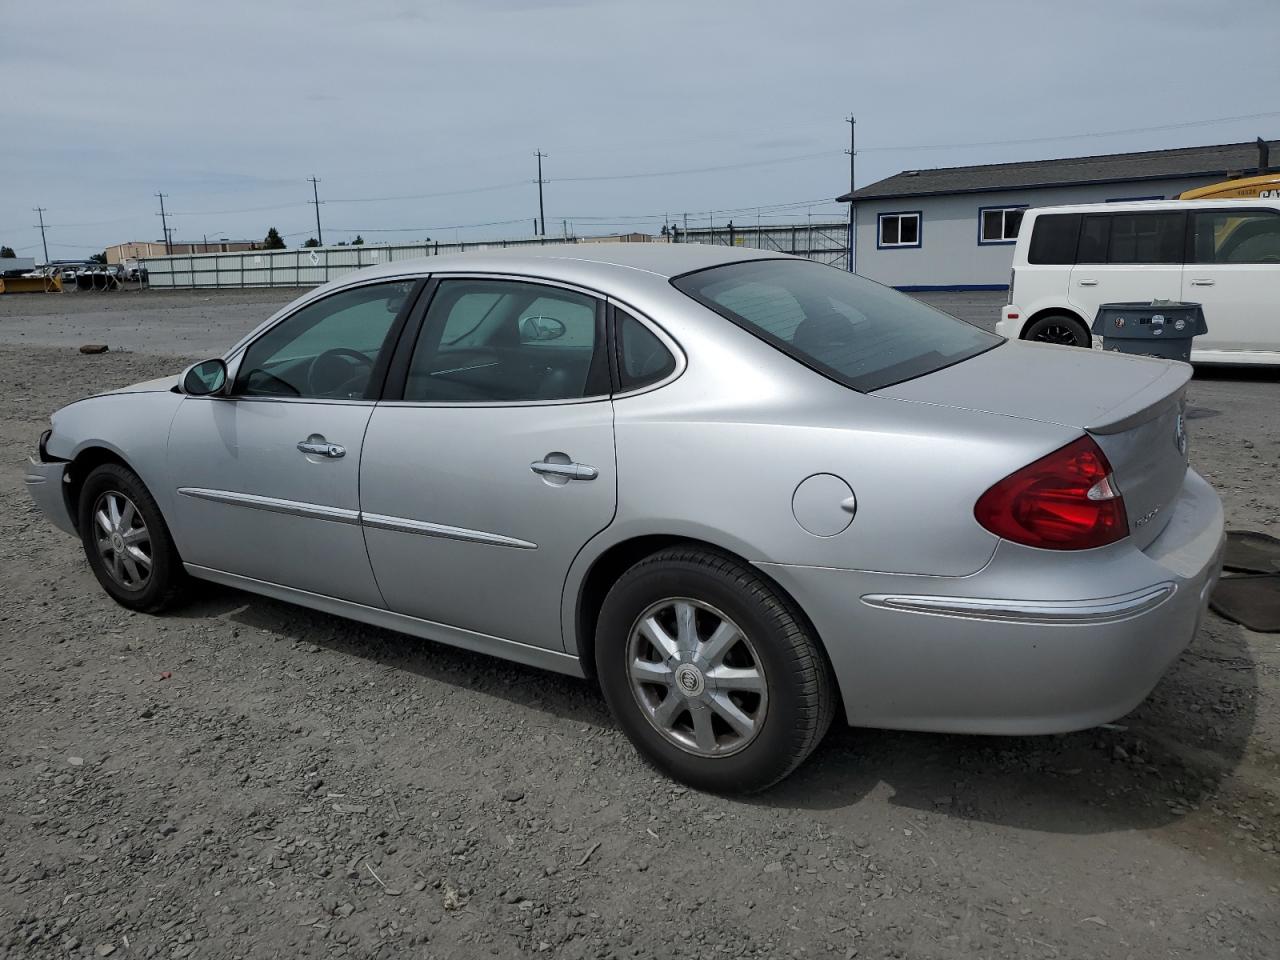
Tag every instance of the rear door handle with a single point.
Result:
(1202, 283)
(317, 446)
(569, 471)
(1088, 283)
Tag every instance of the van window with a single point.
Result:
(1228, 236)
(1146, 237)
(1053, 238)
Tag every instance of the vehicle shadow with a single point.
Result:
(1149, 769)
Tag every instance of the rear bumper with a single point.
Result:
(1011, 320)
(1036, 642)
(44, 484)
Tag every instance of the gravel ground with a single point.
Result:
(246, 778)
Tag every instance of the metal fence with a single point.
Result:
(825, 242)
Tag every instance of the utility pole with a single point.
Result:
(40, 213)
(542, 220)
(853, 154)
(315, 198)
(164, 224)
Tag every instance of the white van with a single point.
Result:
(1223, 254)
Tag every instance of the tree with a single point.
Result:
(312, 242)
(7, 252)
(358, 241)
(274, 241)
(99, 257)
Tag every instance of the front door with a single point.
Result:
(1233, 271)
(267, 479)
(1127, 258)
(480, 486)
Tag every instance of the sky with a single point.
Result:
(421, 119)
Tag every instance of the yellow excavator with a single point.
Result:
(1264, 185)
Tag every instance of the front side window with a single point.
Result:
(859, 333)
(1227, 236)
(507, 341)
(999, 224)
(326, 350)
(899, 230)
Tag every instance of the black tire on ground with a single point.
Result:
(1058, 328)
(156, 583)
(801, 691)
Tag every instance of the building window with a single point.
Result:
(999, 224)
(898, 230)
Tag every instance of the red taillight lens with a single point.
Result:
(1065, 501)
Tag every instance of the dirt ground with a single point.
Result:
(248, 779)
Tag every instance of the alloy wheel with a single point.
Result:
(123, 540)
(697, 677)
(1057, 333)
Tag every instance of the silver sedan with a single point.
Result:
(743, 491)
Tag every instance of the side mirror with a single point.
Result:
(205, 378)
(541, 328)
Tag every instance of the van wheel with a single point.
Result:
(1059, 328)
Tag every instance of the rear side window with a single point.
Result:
(1146, 237)
(858, 333)
(642, 358)
(1228, 236)
(1053, 238)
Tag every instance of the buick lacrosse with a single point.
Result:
(742, 491)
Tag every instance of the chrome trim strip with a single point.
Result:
(525, 653)
(292, 508)
(404, 525)
(1102, 610)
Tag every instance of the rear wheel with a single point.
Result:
(714, 676)
(1059, 328)
(127, 542)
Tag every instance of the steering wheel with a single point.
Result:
(335, 371)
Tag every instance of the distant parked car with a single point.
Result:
(1223, 254)
(743, 490)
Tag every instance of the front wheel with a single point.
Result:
(713, 675)
(1061, 329)
(127, 542)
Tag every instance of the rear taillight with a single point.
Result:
(1065, 501)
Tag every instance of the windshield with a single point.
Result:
(846, 327)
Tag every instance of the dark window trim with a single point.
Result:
(918, 214)
(599, 385)
(377, 375)
(1002, 207)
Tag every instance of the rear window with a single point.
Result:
(859, 333)
(1053, 238)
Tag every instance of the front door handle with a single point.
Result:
(1088, 283)
(316, 445)
(568, 471)
(1202, 283)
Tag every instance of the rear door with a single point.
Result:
(1233, 270)
(491, 463)
(1127, 257)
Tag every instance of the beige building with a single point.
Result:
(135, 249)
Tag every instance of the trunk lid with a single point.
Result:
(1131, 406)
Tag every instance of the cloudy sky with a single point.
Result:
(421, 118)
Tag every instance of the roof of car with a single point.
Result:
(660, 259)
(1155, 205)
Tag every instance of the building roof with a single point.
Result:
(1221, 160)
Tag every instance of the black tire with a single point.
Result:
(155, 586)
(1058, 328)
(801, 692)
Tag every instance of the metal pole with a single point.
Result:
(853, 155)
(315, 194)
(542, 218)
(40, 213)
(164, 224)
